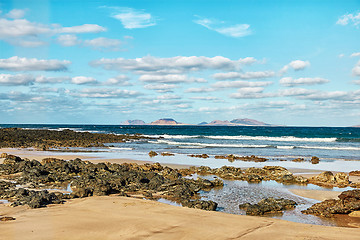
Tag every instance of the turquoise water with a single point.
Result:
(327, 143)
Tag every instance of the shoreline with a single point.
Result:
(114, 217)
(59, 215)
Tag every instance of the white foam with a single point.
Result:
(276, 139)
(161, 141)
(331, 148)
(285, 147)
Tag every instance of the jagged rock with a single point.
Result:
(152, 154)
(5, 219)
(268, 205)
(200, 204)
(298, 160)
(199, 155)
(167, 154)
(327, 177)
(348, 202)
(342, 179)
(315, 160)
(354, 173)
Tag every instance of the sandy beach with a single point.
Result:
(115, 217)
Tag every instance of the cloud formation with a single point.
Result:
(356, 69)
(291, 82)
(246, 75)
(240, 84)
(178, 64)
(16, 30)
(105, 93)
(236, 31)
(132, 18)
(296, 65)
(32, 64)
(349, 18)
(161, 88)
(15, 80)
(83, 80)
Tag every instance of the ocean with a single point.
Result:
(338, 150)
(330, 144)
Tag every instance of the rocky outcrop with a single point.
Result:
(42, 139)
(199, 155)
(329, 179)
(268, 206)
(232, 158)
(349, 201)
(5, 219)
(252, 174)
(87, 179)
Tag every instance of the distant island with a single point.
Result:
(172, 122)
(358, 126)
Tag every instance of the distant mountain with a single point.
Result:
(247, 122)
(356, 126)
(237, 122)
(133, 122)
(165, 121)
(203, 123)
(219, 123)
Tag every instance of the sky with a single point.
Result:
(294, 62)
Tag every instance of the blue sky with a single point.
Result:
(103, 62)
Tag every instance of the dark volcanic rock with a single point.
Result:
(268, 206)
(5, 219)
(200, 204)
(44, 139)
(348, 202)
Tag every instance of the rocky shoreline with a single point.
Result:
(37, 184)
(43, 139)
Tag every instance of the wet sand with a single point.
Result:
(113, 217)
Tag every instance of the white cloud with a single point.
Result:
(162, 88)
(103, 43)
(251, 93)
(356, 69)
(120, 80)
(43, 79)
(295, 92)
(20, 28)
(85, 28)
(290, 82)
(349, 18)
(246, 75)
(168, 97)
(356, 54)
(68, 40)
(296, 65)
(170, 78)
(200, 90)
(133, 18)
(15, 80)
(32, 64)
(207, 98)
(240, 84)
(236, 31)
(24, 33)
(356, 82)
(105, 93)
(16, 13)
(83, 80)
(341, 95)
(176, 64)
